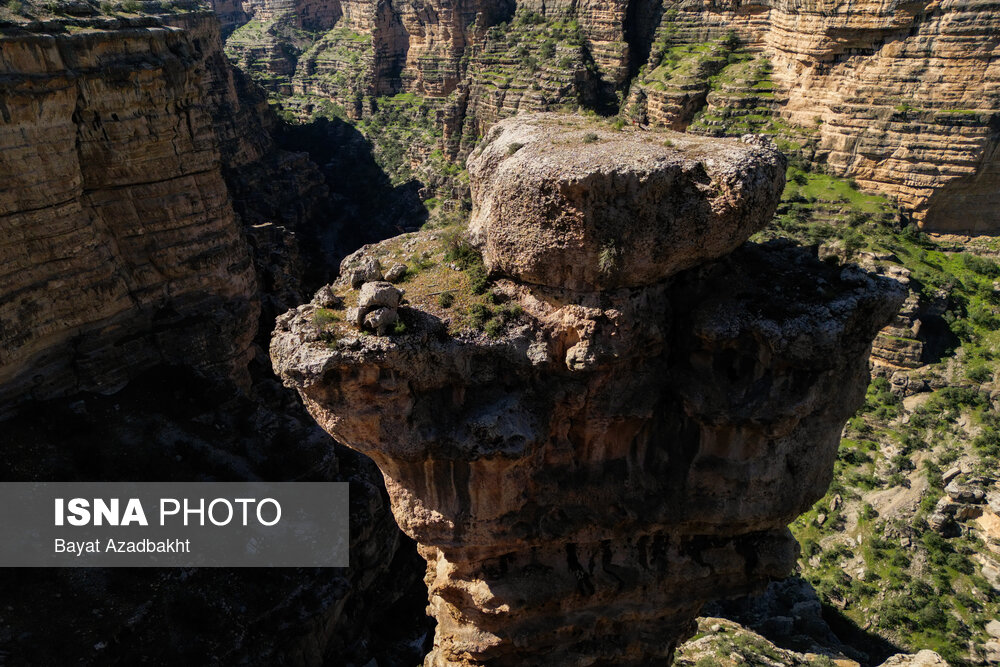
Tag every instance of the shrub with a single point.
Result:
(478, 315)
(324, 317)
(514, 147)
(590, 138)
(981, 265)
(494, 328)
(131, 6)
(446, 299)
(979, 374)
(15, 6)
(607, 260)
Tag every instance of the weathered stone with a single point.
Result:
(924, 658)
(380, 320)
(396, 273)
(378, 294)
(368, 271)
(625, 210)
(325, 297)
(120, 248)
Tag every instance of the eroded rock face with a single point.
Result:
(131, 158)
(583, 482)
(568, 203)
(900, 96)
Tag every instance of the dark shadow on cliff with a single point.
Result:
(790, 614)
(363, 204)
(172, 425)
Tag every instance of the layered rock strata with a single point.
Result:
(903, 97)
(631, 439)
(132, 153)
(121, 249)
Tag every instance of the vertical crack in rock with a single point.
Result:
(633, 443)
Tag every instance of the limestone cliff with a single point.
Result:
(120, 241)
(130, 161)
(150, 225)
(903, 97)
(637, 425)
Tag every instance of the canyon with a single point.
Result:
(632, 435)
(153, 227)
(589, 405)
(901, 97)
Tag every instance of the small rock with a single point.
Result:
(325, 298)
(993, 498)
(993, 628)
(950, 474)
(378, 294)
(355, 316)
(381, 320)
(820, 519)
(992, 653)
(396, 273)
(368, 271)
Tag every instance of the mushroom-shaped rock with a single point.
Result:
(581, 486)
(568, 202)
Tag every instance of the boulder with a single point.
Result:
(381, 320)
(395, 273)
(378, 294)
(631, 208)
(369, 270)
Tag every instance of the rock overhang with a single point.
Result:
(572, 202)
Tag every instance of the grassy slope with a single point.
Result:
(891, 573)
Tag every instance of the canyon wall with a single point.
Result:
(152, 227)
(902, 97)
(135, 168)
(620, 427)
(121, 249)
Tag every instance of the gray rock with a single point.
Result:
(326, 298)
(992, 653)
(368, 271)
(396, 273)
(544, 201)
(381, 320)
(993, 498)
(378, 294)
(993, 628)
(924, 658)
(950, 474)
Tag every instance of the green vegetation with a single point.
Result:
(446, 299)
(920, 589)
